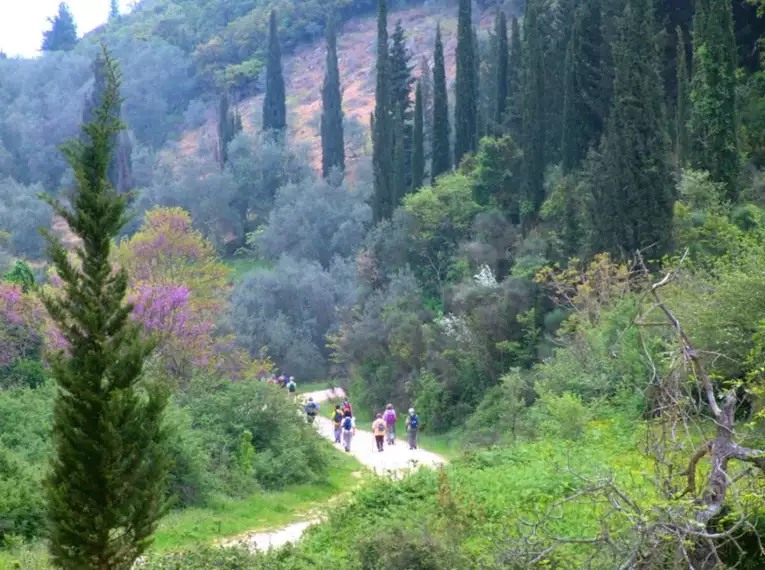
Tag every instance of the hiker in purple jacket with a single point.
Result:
(390, 424)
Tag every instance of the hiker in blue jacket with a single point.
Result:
(412, 425)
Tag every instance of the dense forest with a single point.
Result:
(550, 243)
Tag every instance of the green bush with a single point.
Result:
(22, 501)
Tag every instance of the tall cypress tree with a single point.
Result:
(633, 201)
(332, 138)
(514, 108)
(382, 134)
(500, 101)
(418, 143)
(62, 35)
(533, 136)
(426, 86)
(120, 170)
(108, 476)
(466, 105)
(584, 107)
(713, 94)
(274, 105)
(399, 157)
(229, 125)
(114, 10)
(682, 103)
(401, 87)
(441, 156)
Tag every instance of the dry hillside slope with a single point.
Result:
(304, 73)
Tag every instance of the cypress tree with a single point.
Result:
(382, 135)
(332, 138)
(514, 107)
(713, 93)
(120, 171)
(107, 484)
(584, 107)
(229, 125)
(633, 201)
(682, 103)
(274, 106)
(500, 100)
(466, 107)
(63, 33)
(418, 144)
(401, 71)
(533, 136)
(114, 10)
(482, 104)
(441, 156)
(399, 157)
(426, 86)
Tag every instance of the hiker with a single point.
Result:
(291, 386)
(390, 424)
(378, 428)
(311, 409)
(337, 422)
(412, 424)
(281, 380)
(347, 406)
(349, 430)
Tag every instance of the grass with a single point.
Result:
(304, 387)
(241, 266)
(229, 517)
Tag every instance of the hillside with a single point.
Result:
(304, 73)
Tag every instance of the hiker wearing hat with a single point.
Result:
(412, 424)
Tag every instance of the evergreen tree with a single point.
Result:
(426, 86)
(482, 104)
(533, 135)
(382, 134)
(274, 106)
(109, 471)
(418, 146)
(401, 71)
(399, 157)
(332, 138)
(501, 57)
(63, 33)
(713, 93)
(401, 86)
(441, 156)
(633, 200)
(114, 10)
(682, 103)
(514, 107)
(466, 107)
(120, 170)
(229, 125)
(584, 108)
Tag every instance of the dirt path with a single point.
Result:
(396, 461)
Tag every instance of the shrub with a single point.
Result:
(22, 214)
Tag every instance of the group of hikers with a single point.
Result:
(284, 382)
(383, 427)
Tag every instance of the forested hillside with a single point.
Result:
(540, 225)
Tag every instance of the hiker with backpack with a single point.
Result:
(349, 430)
(292, 387)
(311, 410)
(390, 424)
(378, 428)
(412, 425)
(337, 422)
(347, 406)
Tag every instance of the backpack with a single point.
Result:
(414, 421)
(291, 386)
(311, 409)
(389, 417)
(347, 424)
(338, 418)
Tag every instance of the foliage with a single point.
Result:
(383, 199)
(418, 142)
(466, 88)
(22, 214)
(332, 138)
(316, 221)
(274, 109)
(22, 322)
(441, 154)
(63, 33)
(104, 414)
(290, 309)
